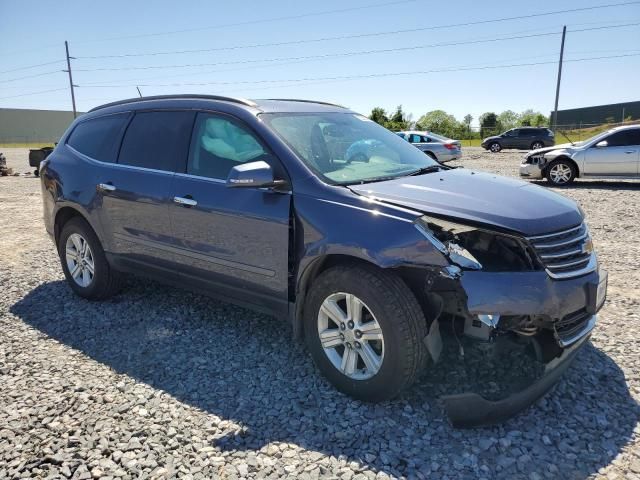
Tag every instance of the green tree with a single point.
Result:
(399, 120)
(508, 119)
(439, 121)
(531, 118)
(379, 115)
(489, 124)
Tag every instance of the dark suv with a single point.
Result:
(258, 203)
(524, 138)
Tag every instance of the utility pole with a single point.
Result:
(555, 109)
(71, 85)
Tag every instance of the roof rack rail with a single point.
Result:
(242, 101)
(306, 101)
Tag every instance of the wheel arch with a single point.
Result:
(413, 278)
(63, 215)
(563, 157)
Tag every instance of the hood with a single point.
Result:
(494, 137)
(562, 146)
(479, 197)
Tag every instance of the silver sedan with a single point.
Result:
(436, 146)
(614, 154)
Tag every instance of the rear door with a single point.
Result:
(234, 241)
(525, 138)
(135, 191)
(619, 158)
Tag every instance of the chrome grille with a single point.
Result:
(565, 254)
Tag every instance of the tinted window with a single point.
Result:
(624, 138)
(99, 137)
(158, 140)
(619, 139)
(526, 132)
(415, 138)
(219, 144)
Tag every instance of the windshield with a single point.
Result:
(346, 148)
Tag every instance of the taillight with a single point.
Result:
(450, 146)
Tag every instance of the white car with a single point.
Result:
(614, 154)
(436, 146)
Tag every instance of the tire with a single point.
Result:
(104, 281)
(387, 303)
(495, 147)
(36, 172)
(537, 145)
(560, 172)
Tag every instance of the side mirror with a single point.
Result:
(602, 144)
(253, 174)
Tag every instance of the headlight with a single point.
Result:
(443, 235)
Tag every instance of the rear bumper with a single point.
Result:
(449, 156)
(471, 410)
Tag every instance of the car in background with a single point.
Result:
(436, 146)
(524, 138)
(611, 154)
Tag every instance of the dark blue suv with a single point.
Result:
(375, 261)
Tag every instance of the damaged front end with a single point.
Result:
(511, 313)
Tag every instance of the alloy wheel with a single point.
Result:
(560, 173)
(536, 146)
(351, 336)
(79, 259)
(495, 147)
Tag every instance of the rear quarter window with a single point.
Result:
(99, 138)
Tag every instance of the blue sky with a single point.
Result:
(33, 32)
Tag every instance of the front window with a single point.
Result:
(346, 148)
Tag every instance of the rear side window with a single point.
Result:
(99, 138)
(158, 140)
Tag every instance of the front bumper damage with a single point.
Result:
(528, 170)
(564, 314)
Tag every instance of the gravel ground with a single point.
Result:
(160, 383)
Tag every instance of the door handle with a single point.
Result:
(185, 201)
(630, 151)
(106, 187)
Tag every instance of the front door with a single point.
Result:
(135, 191)
(619, 157)
(234, 241)
(510, 139)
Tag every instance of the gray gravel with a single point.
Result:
(160, 383)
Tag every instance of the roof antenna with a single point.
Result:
(139, 92)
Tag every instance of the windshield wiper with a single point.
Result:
(423, 170)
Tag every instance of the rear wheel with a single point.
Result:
(537, 145)
(84, 263)
(364, 329)
(561, 172)
(495, 147)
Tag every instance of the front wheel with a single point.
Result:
(495, 147)
(561, 172)
(364, 329)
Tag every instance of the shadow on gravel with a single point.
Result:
(593, 184)
(243, 367)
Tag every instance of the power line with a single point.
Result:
(352, 53)
(252, 22)
(371, 75)
(364, 35)
(31, 66)
(30, 76)
(34, 93)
